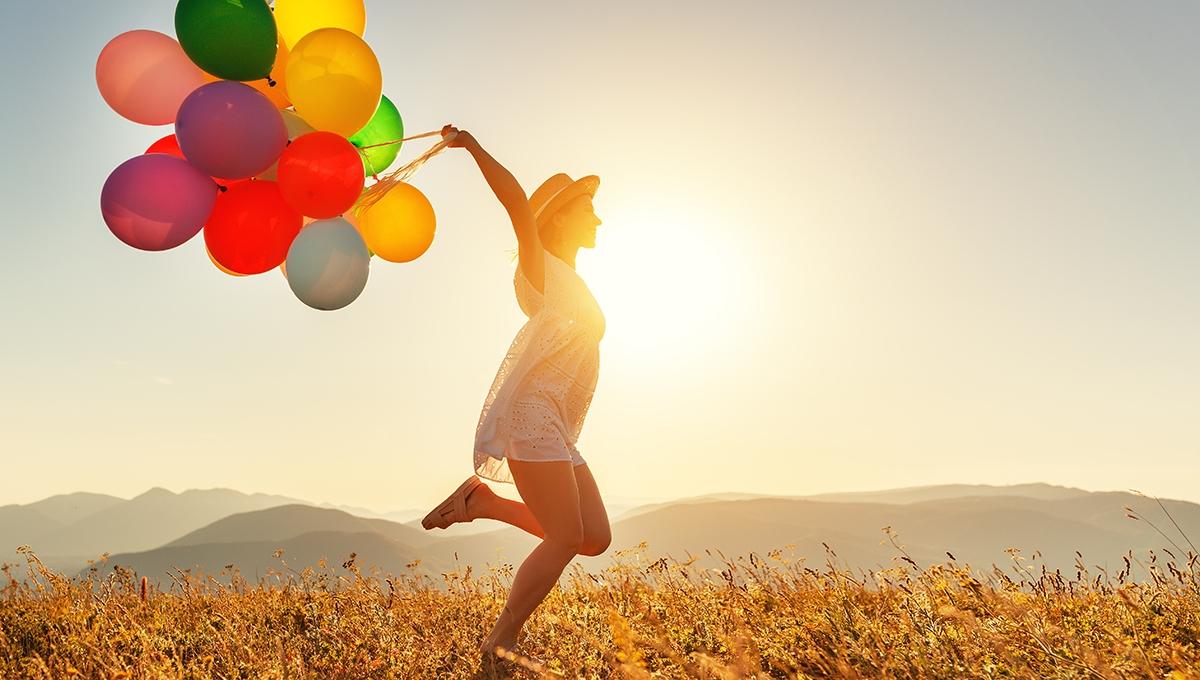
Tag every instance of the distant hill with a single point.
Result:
(975, 529)
(28, 523)
(22, 524)
(914, 494)
(289, 521)
(973, 522)
(405, 515)
(72, 507)
(307, 534)
(917, 494)
(103, 525)
(255, 559)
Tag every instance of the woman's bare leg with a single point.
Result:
(550, 493)
(597, 532)
(483, 503)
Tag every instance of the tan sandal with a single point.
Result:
(455, 505)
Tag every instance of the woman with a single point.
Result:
(534, 411)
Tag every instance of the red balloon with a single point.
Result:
(321, 174)
(251, 227)
(170, 146)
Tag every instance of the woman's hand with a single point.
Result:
(458, 138)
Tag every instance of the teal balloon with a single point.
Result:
(384, 126)
(328, 264)
(231, 39)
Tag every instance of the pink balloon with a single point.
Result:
(145, 76)
(229, 129)
(156, 201)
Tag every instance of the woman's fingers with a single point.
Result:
(455, 136)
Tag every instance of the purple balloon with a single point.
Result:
(229, 129)
(157, 201)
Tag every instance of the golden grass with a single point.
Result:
(640, 618)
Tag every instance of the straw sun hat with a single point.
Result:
(557, 192)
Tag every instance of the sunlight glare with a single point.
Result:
(668, 284)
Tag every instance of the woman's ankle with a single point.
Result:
(480, 502)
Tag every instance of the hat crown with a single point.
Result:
(559, 190)
(548, 190)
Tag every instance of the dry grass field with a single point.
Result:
(760, 616)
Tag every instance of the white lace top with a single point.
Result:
(563, 331)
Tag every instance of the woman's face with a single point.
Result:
(576, 223)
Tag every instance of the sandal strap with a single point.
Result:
(460, 506)
(460, 498)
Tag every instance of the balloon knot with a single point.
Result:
(271, 83)
(223, 188)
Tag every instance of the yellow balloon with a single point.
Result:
(400, 226)
(297, 18)
(334, 81)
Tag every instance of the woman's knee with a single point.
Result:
(568, 538)
(595, 545)
(549, 491)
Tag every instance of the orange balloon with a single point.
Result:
(398, 227)
(218, 264)
(277, 93)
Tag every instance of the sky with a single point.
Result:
(845, 246)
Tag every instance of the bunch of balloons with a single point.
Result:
(279, 118)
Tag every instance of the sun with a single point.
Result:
(667, 284)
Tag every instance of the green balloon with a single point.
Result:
(384, 126)
(231, 39)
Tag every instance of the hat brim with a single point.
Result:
(583, 185)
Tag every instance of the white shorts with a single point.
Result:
(537, 432)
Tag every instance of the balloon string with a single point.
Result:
(388, 182)
(397, 141)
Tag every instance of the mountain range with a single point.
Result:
(214, 529)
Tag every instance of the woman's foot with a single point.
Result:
(470, 501)
(504, 634)
(479, 502)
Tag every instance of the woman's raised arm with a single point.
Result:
(514, 200)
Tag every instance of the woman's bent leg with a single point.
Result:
(483, 503)
(597, 532)
(549, 491)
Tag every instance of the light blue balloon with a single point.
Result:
(328, 263)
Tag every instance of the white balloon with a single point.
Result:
(328, 264)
